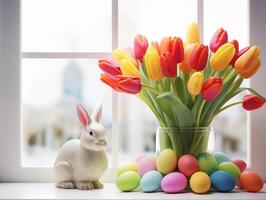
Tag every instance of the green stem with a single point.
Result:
(226, 107)
(150, 88)
(199, 112)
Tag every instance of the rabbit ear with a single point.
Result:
(97, 114)
(83, 115)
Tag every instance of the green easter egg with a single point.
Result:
(230, 168)
(127, 167)
(207, 163)
(166, 161)
(128, 181)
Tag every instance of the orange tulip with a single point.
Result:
(249, 62)
(185, 66)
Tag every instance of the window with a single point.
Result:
(57, 67)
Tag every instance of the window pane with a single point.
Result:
(66, 26)
(51, 89)
(154, 19)
(230, 126)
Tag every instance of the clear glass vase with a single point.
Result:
(185, 140)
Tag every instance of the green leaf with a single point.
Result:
(173, 107)
(179, 88)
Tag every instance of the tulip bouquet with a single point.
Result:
(185, 84)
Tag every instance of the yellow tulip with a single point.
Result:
(222, 57)
(195, 83)
(152, 63)
(193, 35)
(120, 54)
(128, 68)
(248, 63)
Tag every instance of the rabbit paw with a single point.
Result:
(66, 185)
(84, 185)
(97, 185)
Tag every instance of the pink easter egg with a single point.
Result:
(140, 157)
(145, 165)
(241, 164)
(174, 182)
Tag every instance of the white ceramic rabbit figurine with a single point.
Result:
(81, 163)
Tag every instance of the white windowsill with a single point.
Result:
(49, 191)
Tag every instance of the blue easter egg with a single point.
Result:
(221, 157)
(222, 181)
(151, 181)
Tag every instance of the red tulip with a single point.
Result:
(123, 83)
(140, 46)
(173, 45)
(177, 49)
(171, 53)
(110, 67)
(235, 43)
(218, 39)
(199, 58)
(168, 64)
(211, 88)
(252, 102)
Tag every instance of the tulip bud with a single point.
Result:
(168, 64)
(193, 35)
(195, 82)
(199, 58)
(177, 50)
(218, 39)
(120, 54)
(128, 68)
(211, 88)
(122, 83)
(164, 45)
(152, 63)
(252, 102)
(249, 62)
(140, 46)
(185, 66)
(110, 67)
(236, 45)
(222, 57)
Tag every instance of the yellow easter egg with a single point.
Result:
(166, 161)
(200, 182)
(127, 167)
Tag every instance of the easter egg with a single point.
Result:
(140, 157)
(200, 182)
(221, 157)
(222, 181)
(231, 168)
(151, 181)
(174, 182)
(251, 181)
(241, 164)
(127, 167)
(207, 163)
(128, 181)
(166, 161)
(146, 164)
(188, 165)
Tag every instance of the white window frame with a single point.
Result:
(10, 98)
